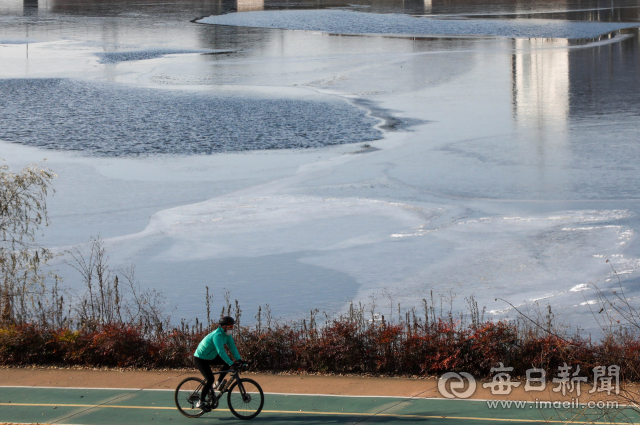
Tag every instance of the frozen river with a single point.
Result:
(307, 158)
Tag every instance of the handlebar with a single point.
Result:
(242, 365)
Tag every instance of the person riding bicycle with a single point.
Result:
(211, 352)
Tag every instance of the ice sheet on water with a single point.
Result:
(255, 245)
(348, 22)
(527, 258)
(136, 55)
(111, 120)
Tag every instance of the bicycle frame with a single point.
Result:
(234, 376)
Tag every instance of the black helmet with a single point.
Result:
(226, 321)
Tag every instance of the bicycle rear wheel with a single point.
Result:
(187, 396)
(245, 398)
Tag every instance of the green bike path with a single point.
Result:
(123, 407)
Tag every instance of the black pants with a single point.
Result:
(204, 366)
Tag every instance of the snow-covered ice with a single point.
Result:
(351, 22)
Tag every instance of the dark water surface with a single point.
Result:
(600, 10)
(110, 120)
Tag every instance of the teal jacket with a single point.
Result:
(213, 344)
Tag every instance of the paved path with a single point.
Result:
(122, 407)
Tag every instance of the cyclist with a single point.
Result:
(211, 352)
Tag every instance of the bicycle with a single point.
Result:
(244, 396)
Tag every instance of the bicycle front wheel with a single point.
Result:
(187, 396)
(245, 398)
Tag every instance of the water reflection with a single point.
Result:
(605, 80)
(540, 79)
(601, 10)
(584, 11)
(249, 5)
(552, 84)
(596, 10)
(540, 104)
(576, 108)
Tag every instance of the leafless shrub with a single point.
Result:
(23, 213)
(114, 297)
